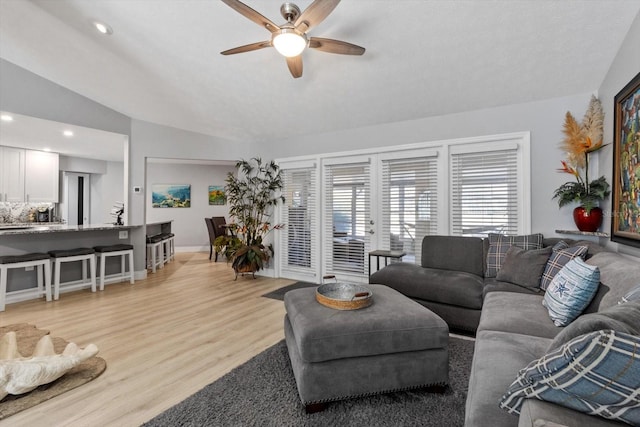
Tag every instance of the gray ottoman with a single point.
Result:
(394, 344)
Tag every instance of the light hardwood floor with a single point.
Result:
(163, 338)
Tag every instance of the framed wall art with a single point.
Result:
(217, 195)
(625, 221)
(171, 195)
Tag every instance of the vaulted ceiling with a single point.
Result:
(424, 58)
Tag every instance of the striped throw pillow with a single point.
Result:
(560, 255)
(597, 373)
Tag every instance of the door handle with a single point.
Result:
(371, 231)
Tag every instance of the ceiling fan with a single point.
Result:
(290, 39)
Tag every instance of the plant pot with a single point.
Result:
(587, 221)
(246, 269)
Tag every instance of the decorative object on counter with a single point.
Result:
(27, 338)
(252, 194)
(118, 212)
(625, 223)
(171, 195)
(579, 142)
(217, 195)
(23, 374)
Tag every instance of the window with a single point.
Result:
(346, 214)
(409, 203)
(300, 218)
(484, 192)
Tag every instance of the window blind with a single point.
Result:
(484, 192)
(409, 204)
(346, 217)
(300, 217)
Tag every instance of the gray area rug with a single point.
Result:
(262, 392)
(279, 293)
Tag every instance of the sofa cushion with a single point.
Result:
(571, 290)
(622, 318)
(493, 285)
(524, 268)
(498, 356)
(538, 413)
(618, 275)
(562, 254)
(632, 295)
(431, 284)
(518, 313)
(499, 244)
(597, 373)
(455, 253)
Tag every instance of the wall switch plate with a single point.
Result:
(137, 189)
(123, 234)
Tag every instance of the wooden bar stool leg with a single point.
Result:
(56, 279)
(47, 280)
(131, 270)
(3, 286)
(92, 268)
(39, 273)
(102, 265)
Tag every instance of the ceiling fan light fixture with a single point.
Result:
(288, 42)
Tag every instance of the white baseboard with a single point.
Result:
(192, 248)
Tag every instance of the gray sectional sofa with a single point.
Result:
(512, 326)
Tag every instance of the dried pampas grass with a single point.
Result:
(584, 138)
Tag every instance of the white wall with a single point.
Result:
(188, 223)
(110, 189)
(107, 185)
(544, 119)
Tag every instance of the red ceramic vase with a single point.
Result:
(587, 221)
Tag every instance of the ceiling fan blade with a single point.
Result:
(256, 17)
(335, 46)
(315, 14)
(247, 48)
(295, 66)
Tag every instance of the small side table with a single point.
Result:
(387, 255)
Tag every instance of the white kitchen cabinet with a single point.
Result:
(12, 173)
(41, 177)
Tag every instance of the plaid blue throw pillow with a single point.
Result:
(571, 290)
(596, 373)
(499, 244)
(560, 255)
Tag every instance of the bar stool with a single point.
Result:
(121, 250)
(37, 260)
(83, 255)
(168, 247)
(155, 252)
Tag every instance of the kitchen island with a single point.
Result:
(18, 239)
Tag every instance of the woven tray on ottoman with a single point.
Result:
(394, 344)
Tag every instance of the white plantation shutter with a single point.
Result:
(484, 192)
(409, 204)
(300, 217)
(346, 214)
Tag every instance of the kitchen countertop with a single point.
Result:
(36, 228)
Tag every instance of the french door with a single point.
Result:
(348, 221)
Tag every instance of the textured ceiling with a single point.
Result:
(424, 58)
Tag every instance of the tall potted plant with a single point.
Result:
(252, 193)
(580, 141)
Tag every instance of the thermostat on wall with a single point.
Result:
(137, 189)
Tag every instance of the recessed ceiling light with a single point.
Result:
(67, 133)
(103, 28)
(6, 118)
